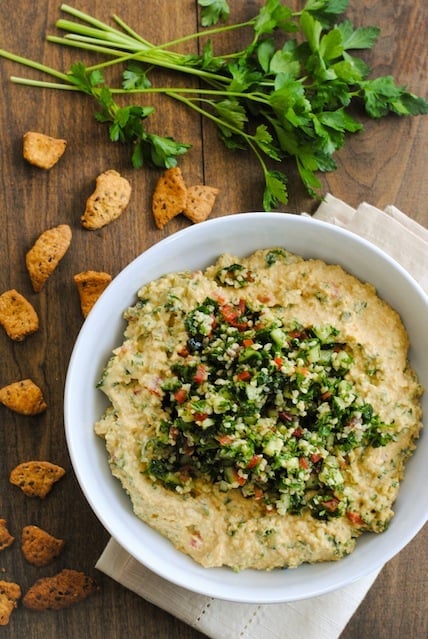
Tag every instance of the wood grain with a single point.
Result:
(384, 164)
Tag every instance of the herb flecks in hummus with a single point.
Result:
(261, 411)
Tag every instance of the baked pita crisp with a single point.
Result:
(90, 285)
(6, 539)
(62, 590)
(10, 593)
(169, 197)
(199, 202)
(23, 397)
(39, 547)
(46, 253)
(17, 316)
(42, 150)
(108, 201)
(36, 478)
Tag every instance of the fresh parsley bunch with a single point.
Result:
(285, 94)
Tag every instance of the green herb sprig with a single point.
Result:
(286, 94)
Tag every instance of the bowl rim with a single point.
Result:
(188, 574)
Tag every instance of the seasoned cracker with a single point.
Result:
(46, 253)
(10, 593)
(36, 478)
(40, 547)
(42, 150)
(169, 197)
(17, 316)
(6, 539)
(62, 590)
(23, 397)
(90, 285)
(200, 202)
(108, 201)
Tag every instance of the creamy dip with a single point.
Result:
(262, 411)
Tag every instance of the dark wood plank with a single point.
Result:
(384, 164)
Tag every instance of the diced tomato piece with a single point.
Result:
(183, 352)
(284, 416)
(244, 376)
(258, 493)
(201, 374)
(200, 417)
(331, 504)
(279, 361)
(180, 395)
(238, 478)
(355, 518)
(224, 440)
(298, 433)
(231, 315)
(326, 395)
(315, 457)
(242, 305)
(247, 342)
(255, 459)
(303, 463)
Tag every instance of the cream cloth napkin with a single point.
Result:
(322, 617)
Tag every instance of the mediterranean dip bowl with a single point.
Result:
(194, 249)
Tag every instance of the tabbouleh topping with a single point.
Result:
(261, 407)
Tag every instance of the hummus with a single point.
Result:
(262, 411)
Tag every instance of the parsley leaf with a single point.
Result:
(213, 11)
(135, 77)
(326, 11)
(359, 38)
(275, 192)
(160, 151)
(382, 96)
(126, 123)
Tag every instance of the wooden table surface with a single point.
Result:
(384, 164)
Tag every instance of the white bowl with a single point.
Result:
(197, 247)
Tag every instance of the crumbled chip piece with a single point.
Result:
(200, 201)
(42, 150)
(6, 539)
(108, 201)
(90, 285)
(39, 547)
(10, 593)
(169, 197)
(62, 590)
(36, 478)
(46, 253)
(23, 397)
(17, 315)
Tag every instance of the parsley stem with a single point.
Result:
(104, 27)
(28, 82)
(34, 65)
(207, 33)
(155, 56)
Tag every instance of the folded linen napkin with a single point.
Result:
(322, 617)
